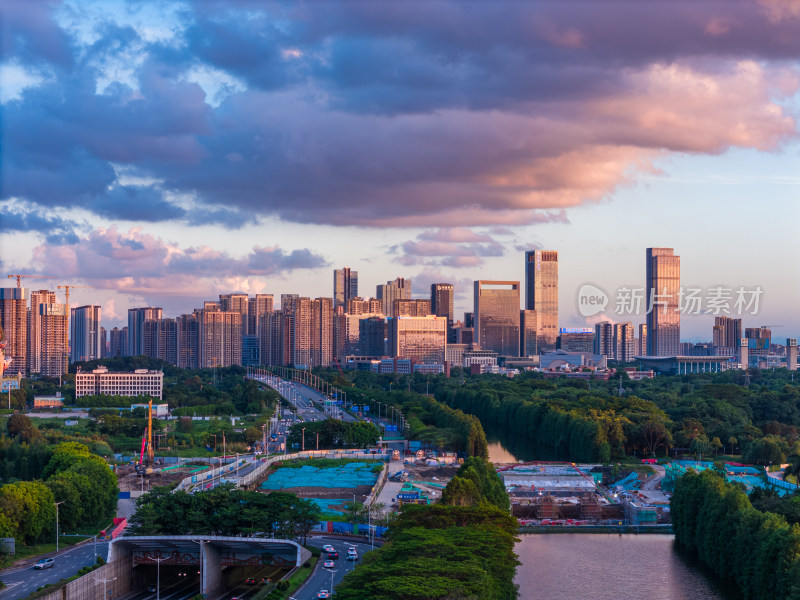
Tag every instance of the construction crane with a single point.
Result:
(144, 467)
(19, 277)
(67, 288)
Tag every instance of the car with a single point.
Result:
(328, 548)
(250, 581)
(333, 555)
(151, 589)
(323, 594)
(352, 551)
(44, 563)
(329, 564)
(352, 557)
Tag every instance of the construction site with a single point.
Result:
(565, 493)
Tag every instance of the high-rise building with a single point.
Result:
(103, 343)
(372, 336)
(411, 308)
(726, 332)
(160, 340)
(442, 297)
(399, 289)
(35, 349)
(52, 345)
(625, 342)
(576, 339)
(14, 321)
(604, 341)
(136, 319)
(85, 333)
(345, 286)
(274, 337)
(541, 294)
(237, 302)
(257, 307)
(662, 289)
(528, 327)
(642, 345)
(758, 340)
(422, 339)
(346, 334)
(220, 338)
(791, 354)
(497, 316)
(321, 332)
(360, 306)
(188, 341)
(118, 342)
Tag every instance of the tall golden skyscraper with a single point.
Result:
(497, 316)
(662, 286)
(541, 295)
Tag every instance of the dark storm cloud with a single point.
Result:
(55, 229)
(390, 114)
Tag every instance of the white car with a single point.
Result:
(328, 548)
(44, 563)
(323, 594)
(329, 564)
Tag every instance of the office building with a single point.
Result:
(625, 342)
(345, 286)
(497, 317)
(758, 340)
(257, 307)
(442, 298)
(422, 339)
(399, 289)
(52, 345)
(14, 322)
(642, 340)
(220, 338)
(102, 381)
(188, 341)
(662, 287)
(84, 336)
(34, 339)
(136, 319)
(347, 335)
(604, 340)
(576, 339)
(528, 328)
(372, 336)
(541, 295)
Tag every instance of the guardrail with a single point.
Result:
(778, 482)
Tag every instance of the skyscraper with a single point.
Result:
(625, 342)
(257, 307)
(662, 287)
(442, 295)
(52, 345)
(188, 341)
(118, 342)
(321, 332)
(497, 316)
(604, 340)
(161, 340)
(136, 319)
(84, 336)
(399, 289)
(220, 340)
(528, 326)
(35, 348)
(422, 339)
(345, 286)
(14, 321)
(541, 294)
(237, 302)
(642, 347)
(726, 332)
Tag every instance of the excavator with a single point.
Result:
(144, 467)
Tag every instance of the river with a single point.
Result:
(573, 566)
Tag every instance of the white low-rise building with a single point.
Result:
(102, 382)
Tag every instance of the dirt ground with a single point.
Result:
(130, 481)
(443, 474)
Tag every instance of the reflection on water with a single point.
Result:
(504, 449)
(572, 566)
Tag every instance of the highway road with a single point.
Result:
(22, 581)
(321, 577)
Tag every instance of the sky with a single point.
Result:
(163, 153)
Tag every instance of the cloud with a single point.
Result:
(451, 114)
(457, 247)
(148, 267)
(16, 218)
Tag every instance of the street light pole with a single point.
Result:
(57, 503)
(304, 439)
(158, 577)
(105, 581)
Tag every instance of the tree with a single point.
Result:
(29, 508)
(22, 427)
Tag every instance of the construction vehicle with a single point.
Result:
(144, 467)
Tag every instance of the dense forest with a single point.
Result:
(758, 550)
(754, 415)
(461, 548)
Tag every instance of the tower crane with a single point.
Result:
(67, 288)
(19, 277)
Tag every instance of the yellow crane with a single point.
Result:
(19, 277)
(67, 288)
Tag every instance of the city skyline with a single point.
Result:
(163, 154)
